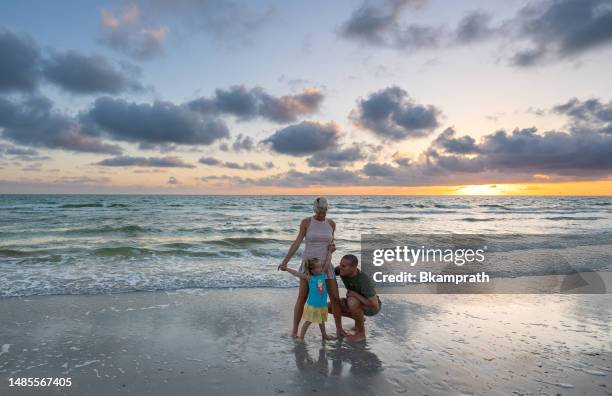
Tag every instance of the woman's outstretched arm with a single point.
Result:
(296, 244)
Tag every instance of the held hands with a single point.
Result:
(282, 267)
(331, 247)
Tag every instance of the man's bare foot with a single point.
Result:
(342, 333)
(357, 337)
(293, 335)
(329, 337)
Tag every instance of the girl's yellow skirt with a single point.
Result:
(314, 314)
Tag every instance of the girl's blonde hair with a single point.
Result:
(311, 263)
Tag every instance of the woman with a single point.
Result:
(319, 234)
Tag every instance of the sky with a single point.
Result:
(285, 97)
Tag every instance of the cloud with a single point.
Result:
(14, 150)
(22, 153)
(543, 31)
(210, 161)
(475, 27)
(527, 151)
(23, 66)
(33, 122)
(293, 178)
(337, 157)
(448, 142)
(392, 114)
(304, 138)
(563, 28)
(35, 167)
(173, 180)
(378, 170)
(124, 32)
(82, 74)
(137, 31)
(378, 23)
(241, 143)
(226, 22)
(591, 114)
(246, 104)
(19, 68)
(522, 155)
(158, 162)
(157, 123)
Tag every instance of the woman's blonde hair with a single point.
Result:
(311, 262)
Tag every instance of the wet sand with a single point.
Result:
(200, 341)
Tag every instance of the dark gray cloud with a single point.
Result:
(337, 157)
(157, 123)
(562, 28)
(591, 114)
(451, 144)
(304, 138)
(19, 62)
(378, 170)
(391, 114)
(475, 27)
(83, 74)
(23, 66)
(157, 162)
(241, 143)
(378, 23)
(522, 155)
(544, 31)
(210, 161)
(255, 102)
(526, 150)
(22, 153)
(33, 122)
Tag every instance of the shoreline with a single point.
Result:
(595, 282)
(235, 341)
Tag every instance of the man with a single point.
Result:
(361, 298)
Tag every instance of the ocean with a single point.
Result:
(90, 244)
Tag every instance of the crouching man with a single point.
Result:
(361, 298)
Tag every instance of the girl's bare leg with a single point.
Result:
(324, 333)
(304, 328)
(336, 309)
(298, 309)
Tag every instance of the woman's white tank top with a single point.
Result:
(318, 236)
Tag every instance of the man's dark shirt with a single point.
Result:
(360, 283)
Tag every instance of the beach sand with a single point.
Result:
(234, 341)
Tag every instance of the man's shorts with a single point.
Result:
(366, 311)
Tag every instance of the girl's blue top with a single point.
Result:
(317, 291)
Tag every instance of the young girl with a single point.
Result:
(315, 310)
